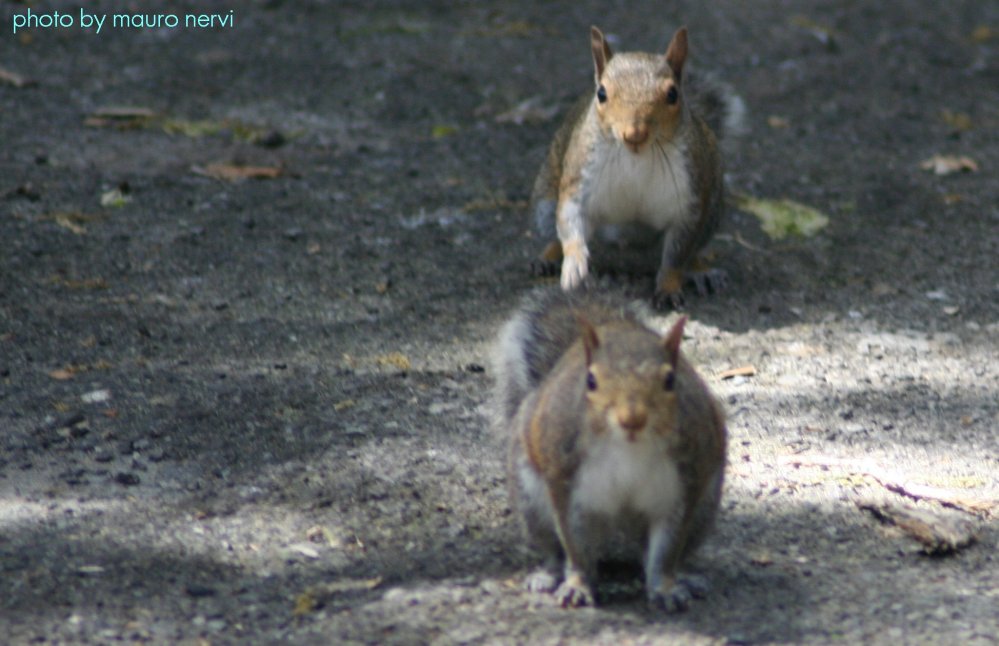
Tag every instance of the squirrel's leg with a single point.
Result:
(548, 261)
(574, 590)
(664, 588)
(675, 270)
(659, 584)
(572, 236)
(669, 278)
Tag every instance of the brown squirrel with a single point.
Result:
(641, 150)
(616, 446)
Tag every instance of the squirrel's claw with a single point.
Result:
(664, 301)
(708, 281)
(574, 593)
(680, 594)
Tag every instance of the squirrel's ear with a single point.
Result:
(589, 335)
(601, 51)
(676, 53)
(671, 342)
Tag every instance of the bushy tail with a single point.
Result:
(534, 339)
(717, 103)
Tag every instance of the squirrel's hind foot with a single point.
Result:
(678, 597)
(574, 592)
(710, 280)
(549, 261)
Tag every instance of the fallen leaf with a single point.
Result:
(947, 164)
(741, 371)
(62, 374)
(122, 117)
(236, 172)
(776, 122)
(304, 604)
(16, 80)
(192, 128)
(65, 220)
(87, 283)
(939, 534)
(784, 217)
(395, 359)
(824, 34)
(114, 198)
(96, 396)
(344, 405)
(528, 111)
(983, 34)
(959, 121)
(520, 28)
(443, 130)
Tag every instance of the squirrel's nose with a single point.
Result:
(636, 134)
(632, 416)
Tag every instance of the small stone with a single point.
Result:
(126, 479)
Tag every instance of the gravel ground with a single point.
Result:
(251, 274)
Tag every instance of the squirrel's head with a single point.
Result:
(639, 96)
(631, 380)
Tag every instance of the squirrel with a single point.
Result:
(641, 149)
(616, 446)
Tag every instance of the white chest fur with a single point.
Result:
(652, 187)
(619, 476)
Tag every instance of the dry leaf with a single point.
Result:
(959, 121)
(939, 534)
(983, 34)
(443, 130)
(344, 405)
(782, 218)
(62, 374)
(114, 198)
(528, 111)
(394, 359)
(304, 604)
(16, 80)
(236, 172)
(741, 371)
(776, 122)
(947, 164)
(66, 221)
(121, 117)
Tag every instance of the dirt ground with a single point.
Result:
(250, 409)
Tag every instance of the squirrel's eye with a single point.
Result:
(601, 94)
(669, 381)
(591, 381)
(672, 95)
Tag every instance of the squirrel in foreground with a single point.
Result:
(641, 150)
(616, 446)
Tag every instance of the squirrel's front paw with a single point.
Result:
(575, 264)
(574, 592)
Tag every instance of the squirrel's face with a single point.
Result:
(639, 96)
(634, 403)
(638, 101)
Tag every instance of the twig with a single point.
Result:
(938, 534)
(896, 484)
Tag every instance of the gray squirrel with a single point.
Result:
(641, 148)
(616, 446)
